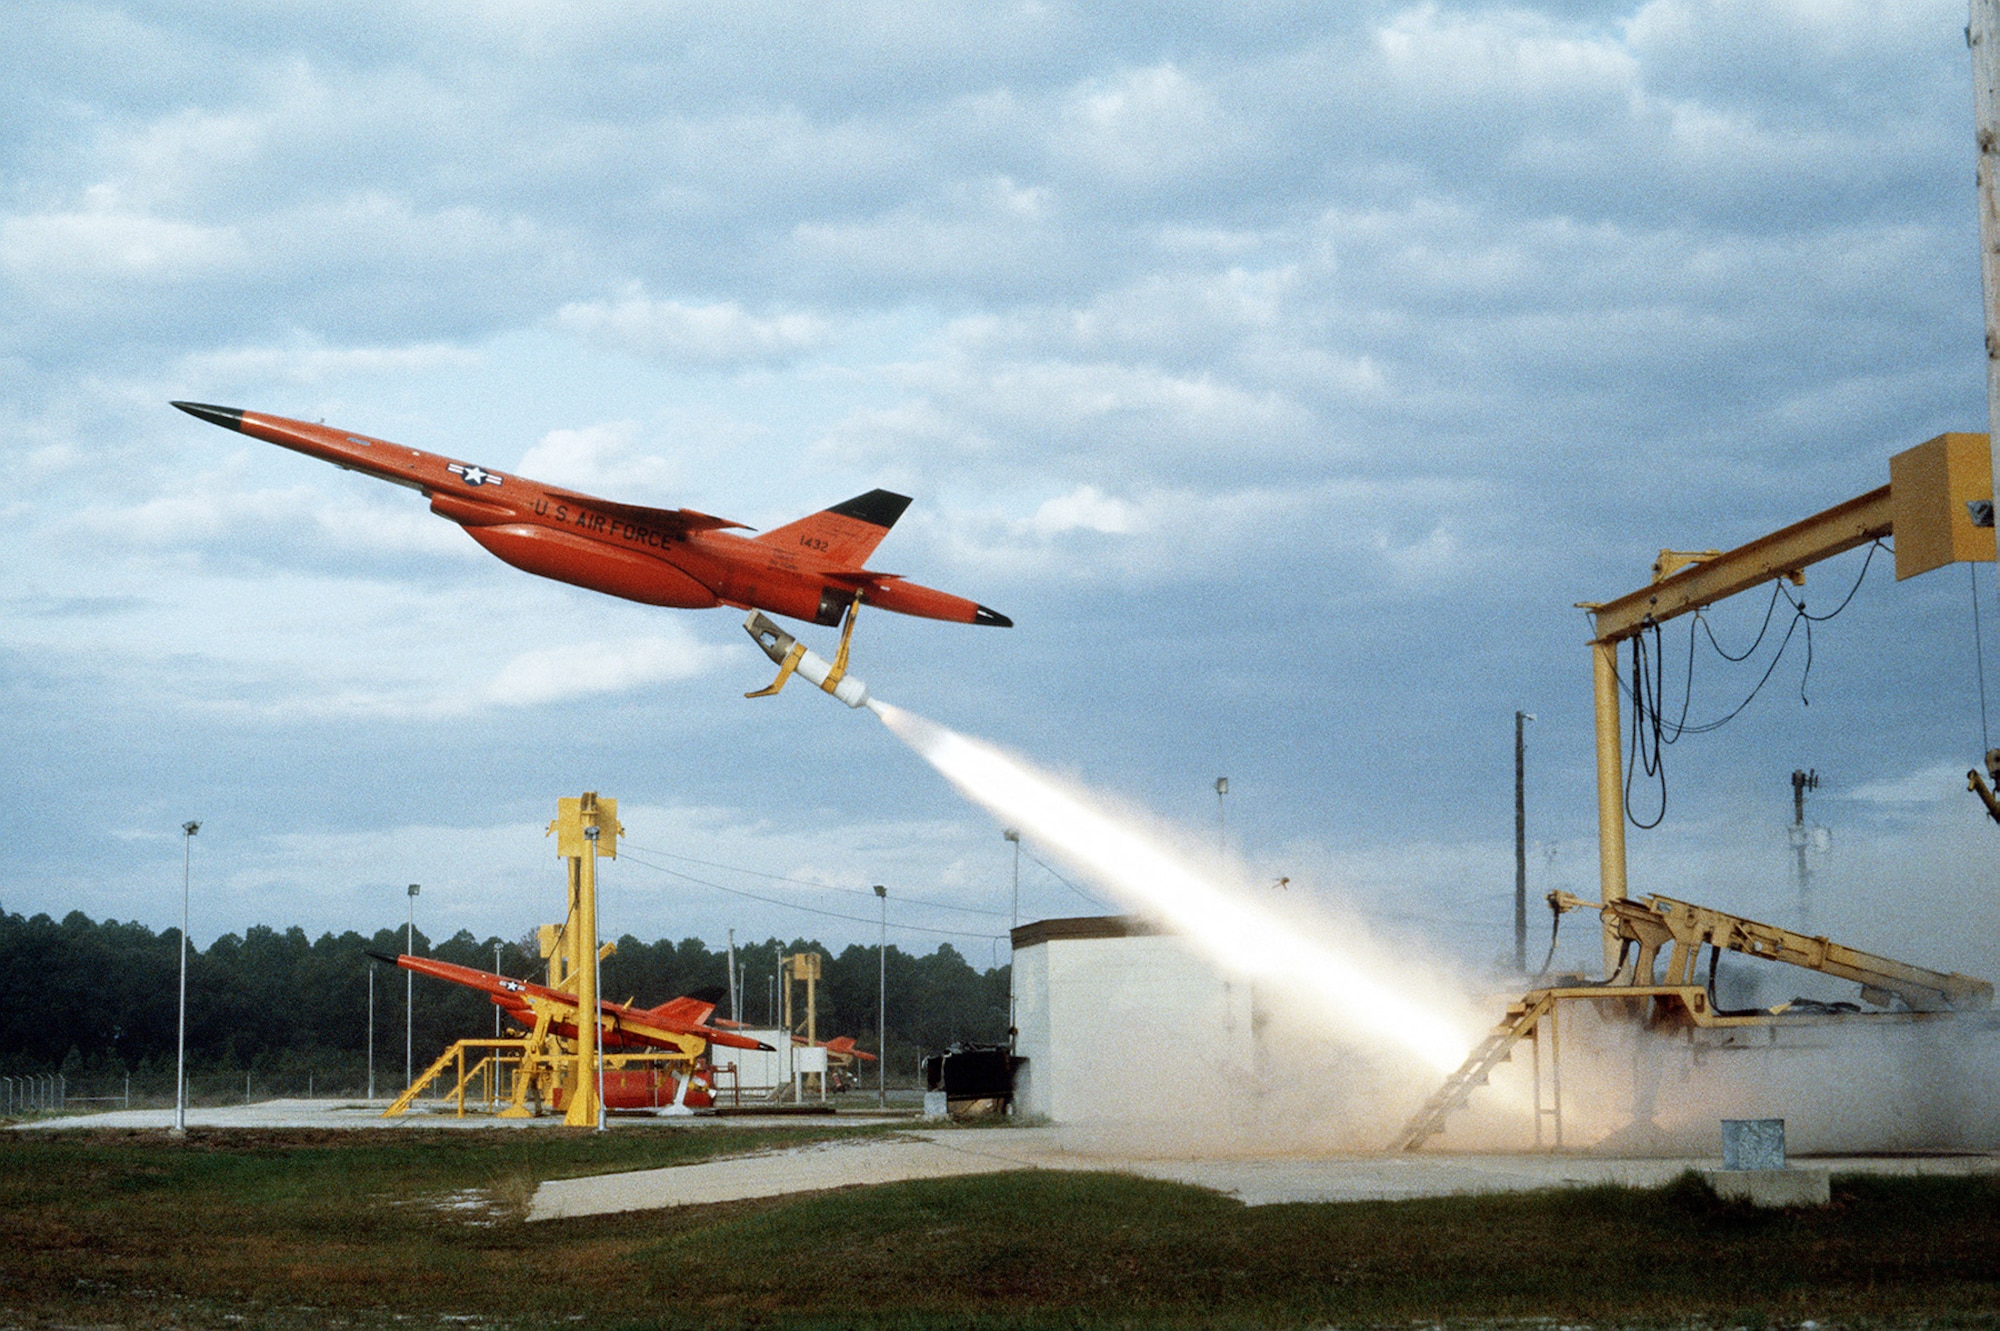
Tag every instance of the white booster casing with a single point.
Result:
(807, 664)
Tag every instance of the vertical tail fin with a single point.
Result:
(846, 534)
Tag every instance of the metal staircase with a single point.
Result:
(1498, 1046)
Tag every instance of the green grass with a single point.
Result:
(299, 1229)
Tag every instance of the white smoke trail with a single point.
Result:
(1239, 935)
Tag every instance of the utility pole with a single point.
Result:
(496, 971)
(1801, 838)
(1982, 34)
(180, 1055)
(410, 991)
(882, 1004)
(1521, 842)
(734, 1015)
(1013, 834)
(371, 1031)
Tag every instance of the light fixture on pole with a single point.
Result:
(1221, 829)
(410, 991)
(1013, 834)
(881, 1004)
(188, 830)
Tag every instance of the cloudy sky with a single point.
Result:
(1286, 371)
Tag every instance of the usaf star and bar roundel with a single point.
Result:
(472, 475)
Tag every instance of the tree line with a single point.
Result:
(98, 1000)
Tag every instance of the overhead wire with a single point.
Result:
(1650, 731)
(629, 850)
(807, 882)
(1064, 881)
(793, 905)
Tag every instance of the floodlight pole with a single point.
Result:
(882, 1004)
(188, 829)
(371, 1030)
(410, 991)
(1013, 834)
(496, 971)
(1521, 842)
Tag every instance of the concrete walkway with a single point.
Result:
(947, 1152)
(956, 1152)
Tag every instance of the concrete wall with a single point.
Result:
(758, 1071)
(1129, 1029)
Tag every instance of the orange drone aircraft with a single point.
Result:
(810, 569)
(623, 1026)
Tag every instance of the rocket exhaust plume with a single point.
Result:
(1356, 993)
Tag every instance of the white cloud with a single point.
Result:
(1511, 54)
(308, 362)
(1083, 509)
(1929, 785)
(584, 669)
(1148, 127)
(716, 334)
(599, 458)
(50, 252)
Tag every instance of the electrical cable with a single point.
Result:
(1650, 733)
(806, 882)
(1555, 930)
(793, 905)
(1770, 608)
(1979, 661)
(1064, 881)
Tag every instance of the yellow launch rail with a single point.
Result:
(1679, 998)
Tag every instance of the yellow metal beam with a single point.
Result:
(1784, 552)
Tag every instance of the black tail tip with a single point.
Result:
(229, 418)
(991, 618)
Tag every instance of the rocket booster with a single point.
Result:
(795, 658)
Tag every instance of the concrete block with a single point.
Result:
(1771, 1187)
(1753, 1143)
(934, 1106)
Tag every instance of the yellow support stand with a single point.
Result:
(489, 1066)
(585, 828)
(545, 1067)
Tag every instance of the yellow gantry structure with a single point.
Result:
(1925, 506)
(585, 828)
(1930, 505)
(543, 1067)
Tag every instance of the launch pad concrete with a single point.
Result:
(1255, 1181)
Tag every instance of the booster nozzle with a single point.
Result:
(794, 657)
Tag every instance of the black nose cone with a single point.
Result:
(993, 618)
(229, 418)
